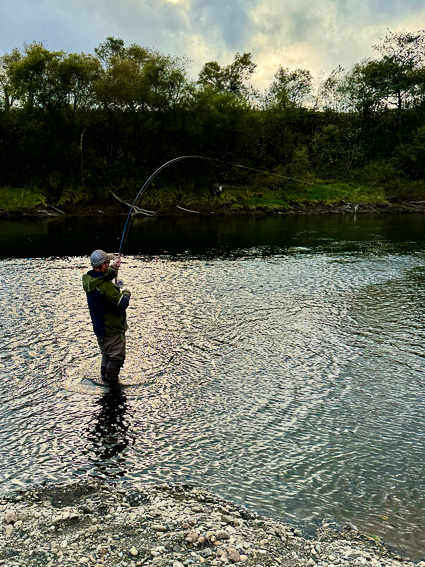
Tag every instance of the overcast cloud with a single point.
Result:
(313, 34)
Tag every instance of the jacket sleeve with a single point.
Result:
(113, 294)
(110, 274)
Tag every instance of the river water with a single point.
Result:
(277, 361)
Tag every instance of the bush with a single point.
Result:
(16, 198)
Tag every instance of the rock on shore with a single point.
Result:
(97, 523)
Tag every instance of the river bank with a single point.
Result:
(96, 523)
(305, 208)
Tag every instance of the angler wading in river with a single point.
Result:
(107, 305)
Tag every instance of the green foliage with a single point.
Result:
(394, 81)
(234, 79)
(379, 172)
(300, 165)
(337, 192)
(412, 155)
(328, 97)
(79, 125)
(269, 205)
(291, 87)
(335, 149)
(409, 191)
(16, 198)
(74, 196)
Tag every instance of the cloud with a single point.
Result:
(317, 35)
(321, 35)
(228, 23)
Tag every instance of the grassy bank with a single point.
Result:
(21, 198)
(223, 199)
(283, 199)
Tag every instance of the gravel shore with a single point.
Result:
(97, 523)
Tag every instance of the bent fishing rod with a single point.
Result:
(158, 171)
(143, 189)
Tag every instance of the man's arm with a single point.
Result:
(112, 272)
(112, 293)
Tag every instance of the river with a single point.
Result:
(277, 361)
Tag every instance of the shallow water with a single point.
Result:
(286, 378)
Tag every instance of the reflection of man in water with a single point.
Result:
(107, 305)
(109, 434)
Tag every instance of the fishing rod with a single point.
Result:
(158, 171)
(143, 189)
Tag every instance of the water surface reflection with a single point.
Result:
(291, 382)
(108, 433)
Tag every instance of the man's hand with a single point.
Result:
(116, 263)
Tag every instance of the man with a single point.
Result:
(107, 305)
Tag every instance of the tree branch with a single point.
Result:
(136, 210)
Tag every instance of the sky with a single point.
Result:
(318, 35)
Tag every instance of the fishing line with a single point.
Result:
(158, 171)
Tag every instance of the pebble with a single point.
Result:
(222, 535)
(10, 517)
(233, 555)
(192, 537)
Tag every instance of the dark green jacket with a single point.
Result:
(107, 303)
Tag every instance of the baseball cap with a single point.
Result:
(99, 257)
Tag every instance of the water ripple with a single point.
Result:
(292, 383)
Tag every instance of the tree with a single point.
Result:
(35, 77)
(403, 54)
(119, 87)
(291, 88)
(211, 75)
(50, 80)
(234, 79)
(328, 96)
(403, 48)
(142, 81)
(166, 80)
(394, 81)
(362, 88)
(8, 88)
(77, 74)
(109, 49)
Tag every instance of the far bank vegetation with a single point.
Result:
(75, 127)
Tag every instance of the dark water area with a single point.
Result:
(277, 361)
(69, 236)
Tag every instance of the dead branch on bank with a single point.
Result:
(187, 210)
(135, 210)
